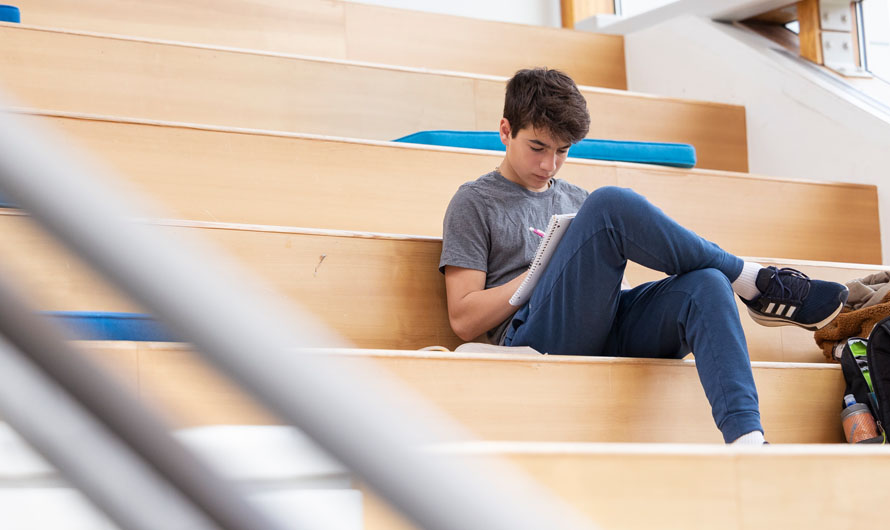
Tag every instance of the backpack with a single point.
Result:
(866, 367)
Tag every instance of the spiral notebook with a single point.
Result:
(555, 230)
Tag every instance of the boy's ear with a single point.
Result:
(505, 131)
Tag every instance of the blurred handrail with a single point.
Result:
(362, 416)
(106, 470)
(175, 482)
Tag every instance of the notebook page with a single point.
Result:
(555, 230)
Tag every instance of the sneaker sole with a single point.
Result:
(775, 322)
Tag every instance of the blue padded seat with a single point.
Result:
(10, 14)
(665, 154)
(93, 325)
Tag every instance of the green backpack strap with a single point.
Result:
(859, 348)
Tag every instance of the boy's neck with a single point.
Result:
(507, 172)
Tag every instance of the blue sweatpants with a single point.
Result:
(578, 307)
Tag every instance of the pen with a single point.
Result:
(536, 231)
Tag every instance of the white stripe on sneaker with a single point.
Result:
(781, 310)
(791, 311)
(769, 308)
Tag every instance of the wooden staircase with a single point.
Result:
(265, 128)
(173, 81)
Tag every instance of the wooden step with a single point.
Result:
(377, 290)
(344, 30)
(257, 177)
(524, 397)
(162, 80)
(683, 485)
(397, 278)
(624, 486)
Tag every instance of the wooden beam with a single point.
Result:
(567, 11)
(810, 32)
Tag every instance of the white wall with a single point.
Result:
(633, 7)
(796, 126)
(533, 12)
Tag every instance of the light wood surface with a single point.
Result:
(343, 30)
(685, 486)
(376, 292)
(292, 180)
(572, 11)
(520, 397)
(567, 13)
(287, 26)
(162, 81)
(413, 38)
(810, 32)
(734, 212)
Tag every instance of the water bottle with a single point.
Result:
(858, 422)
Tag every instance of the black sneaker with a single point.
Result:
(789, 297)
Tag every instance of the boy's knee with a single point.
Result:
(708, 286)
(612, 199)
(612, 195)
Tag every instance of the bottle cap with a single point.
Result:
(849, 400)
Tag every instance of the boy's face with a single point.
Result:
(533, 156)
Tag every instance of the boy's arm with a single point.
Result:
(473, 309)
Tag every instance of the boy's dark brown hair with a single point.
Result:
(546, 99)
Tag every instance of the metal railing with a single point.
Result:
(360, 414)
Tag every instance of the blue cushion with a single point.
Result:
(10, 14)
(665, 154)
(92, 325)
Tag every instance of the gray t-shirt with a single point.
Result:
(486, 227)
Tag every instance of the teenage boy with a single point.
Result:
(579, 306)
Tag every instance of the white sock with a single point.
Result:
(752, 438)
(746, 284)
